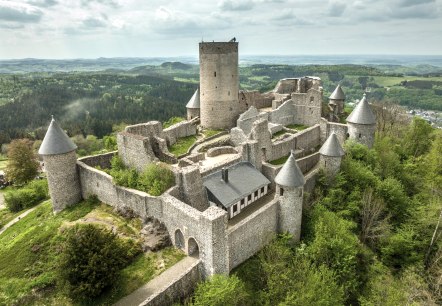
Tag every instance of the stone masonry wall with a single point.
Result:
(148, 129)
(219, 84)
(284, 114)
(309, 138)
(179, 288)
(362, 133)
(251, 234)
(179, 130)
(102, 160)
(290, 213)
(63, 180)
(99, 183)
(254, 98)
(135, 150)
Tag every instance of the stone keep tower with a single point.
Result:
(219, 84)
(290, 186)
(362, 123)
(331, 154)
(60, 161)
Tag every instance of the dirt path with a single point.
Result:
(2, 201)
(157, 284)
(4, 228)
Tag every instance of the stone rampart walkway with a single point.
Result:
(11, 223)
(159, 283)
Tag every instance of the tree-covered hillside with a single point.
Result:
(371, 236)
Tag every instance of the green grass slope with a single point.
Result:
(29, 251)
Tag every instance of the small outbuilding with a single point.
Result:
(236, 187)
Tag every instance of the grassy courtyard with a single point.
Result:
(182, 145)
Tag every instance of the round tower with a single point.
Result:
(60, 162)
(219, 84)
(330, 155)
(193, 106)
(290, 188)
(362, 123)
(337, 99)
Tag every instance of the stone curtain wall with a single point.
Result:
(99, 183)
(179, 288)
(148, 129)
(254, 98)
(102, 160)
(251, 234)
(179, 130)
(135, 150)
(284, 114)
(309, 138)
(205, 227)
(283, 147)
(308, 163)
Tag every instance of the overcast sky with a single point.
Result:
(145, 28)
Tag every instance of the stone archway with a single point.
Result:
(193, 248)
(179, 240)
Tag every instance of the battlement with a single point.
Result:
(218, 47)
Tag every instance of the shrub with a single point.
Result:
(27, 196)
(172, 121)
(91, 260)
(156, 179)
(221, 290)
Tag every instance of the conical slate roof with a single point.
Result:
(194, 102)
(338, 94)
(56, 141)
(290, 175)
(332, 147)
(362, 114)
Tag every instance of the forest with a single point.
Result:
(91, 103)
(371, 236)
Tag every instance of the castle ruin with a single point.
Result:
(231, 199)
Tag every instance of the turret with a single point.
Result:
(331, 154)
(219, 84)
(60, 162)
(362, 123)
(193, 106)
(337, 99)
(289, 188)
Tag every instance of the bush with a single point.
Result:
(154, 180)
(91, 260)
(221, 290)
(27, 196)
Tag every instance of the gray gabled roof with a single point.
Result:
(290, 175)
(338, 94)
(56, 141)
(194, 102)
(332, 147)
(362, 113)
(243, 180)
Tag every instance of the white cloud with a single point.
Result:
(19, 12)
